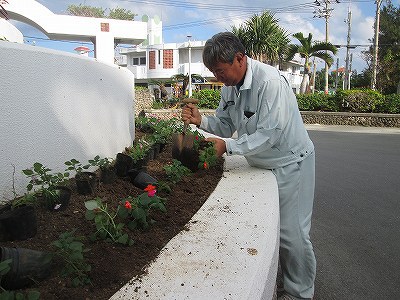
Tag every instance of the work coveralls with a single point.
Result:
(271, 135)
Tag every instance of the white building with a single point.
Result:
(161, 61)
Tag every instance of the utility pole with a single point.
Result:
(337, 74)
(325, 13)
(346, 74)
(349, 78)
(376, 38)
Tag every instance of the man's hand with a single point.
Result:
(219, 145)
(190, 114)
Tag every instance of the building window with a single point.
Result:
(168, 59)
(152, 59)
(139, 61)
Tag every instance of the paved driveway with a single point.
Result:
(356, 220)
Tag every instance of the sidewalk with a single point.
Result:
(360, 129)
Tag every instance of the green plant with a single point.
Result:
(41, 176)
(102, 163)
(5, 267)
(209, 99)
(105, 221)
(75, 165)
(176, 171)
(71, 250)
(198, 139)
(26, 199)
(163, 187)
(207, 156)
(140, 149)
(138, 208)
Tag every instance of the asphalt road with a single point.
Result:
(356, 218)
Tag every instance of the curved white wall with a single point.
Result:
(10, 32)
(55, 106)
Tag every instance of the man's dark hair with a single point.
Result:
(222, 47)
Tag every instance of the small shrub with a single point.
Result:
(176, 171)
(105, 220)
(137, 209)
(71, 250)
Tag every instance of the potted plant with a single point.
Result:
(133, 157)
(106, 167)
(21, 267)
(86, 181)
(18, 218)
(52, 190)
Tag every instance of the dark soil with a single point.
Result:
(113, 265)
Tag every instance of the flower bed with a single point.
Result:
(113, 264)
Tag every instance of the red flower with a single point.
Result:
(151, 190)
(150, 187)
(151, 193)
(197, 137)
(205, 165)
(128, 205)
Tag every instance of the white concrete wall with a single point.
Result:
(10, 32)
(55, 106)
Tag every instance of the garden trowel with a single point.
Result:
(183, 142)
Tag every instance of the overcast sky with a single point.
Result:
(203, 18)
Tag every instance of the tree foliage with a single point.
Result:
(307, 49)
(388, 72)
(263, 38)
(121, 14)
(99, 12)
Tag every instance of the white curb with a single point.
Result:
(230, 250)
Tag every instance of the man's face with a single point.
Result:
(230, 74)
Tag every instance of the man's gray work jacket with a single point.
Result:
(264, 112)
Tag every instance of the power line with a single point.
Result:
(213, 6)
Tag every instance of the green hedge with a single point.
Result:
(317, 102)
(209, 99)
(367, 101)
(363, 101)
(391, 104)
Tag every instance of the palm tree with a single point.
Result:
(309, 49)
(262, 37)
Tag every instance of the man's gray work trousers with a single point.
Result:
(296, 184)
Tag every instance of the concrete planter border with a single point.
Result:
(229, 250)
